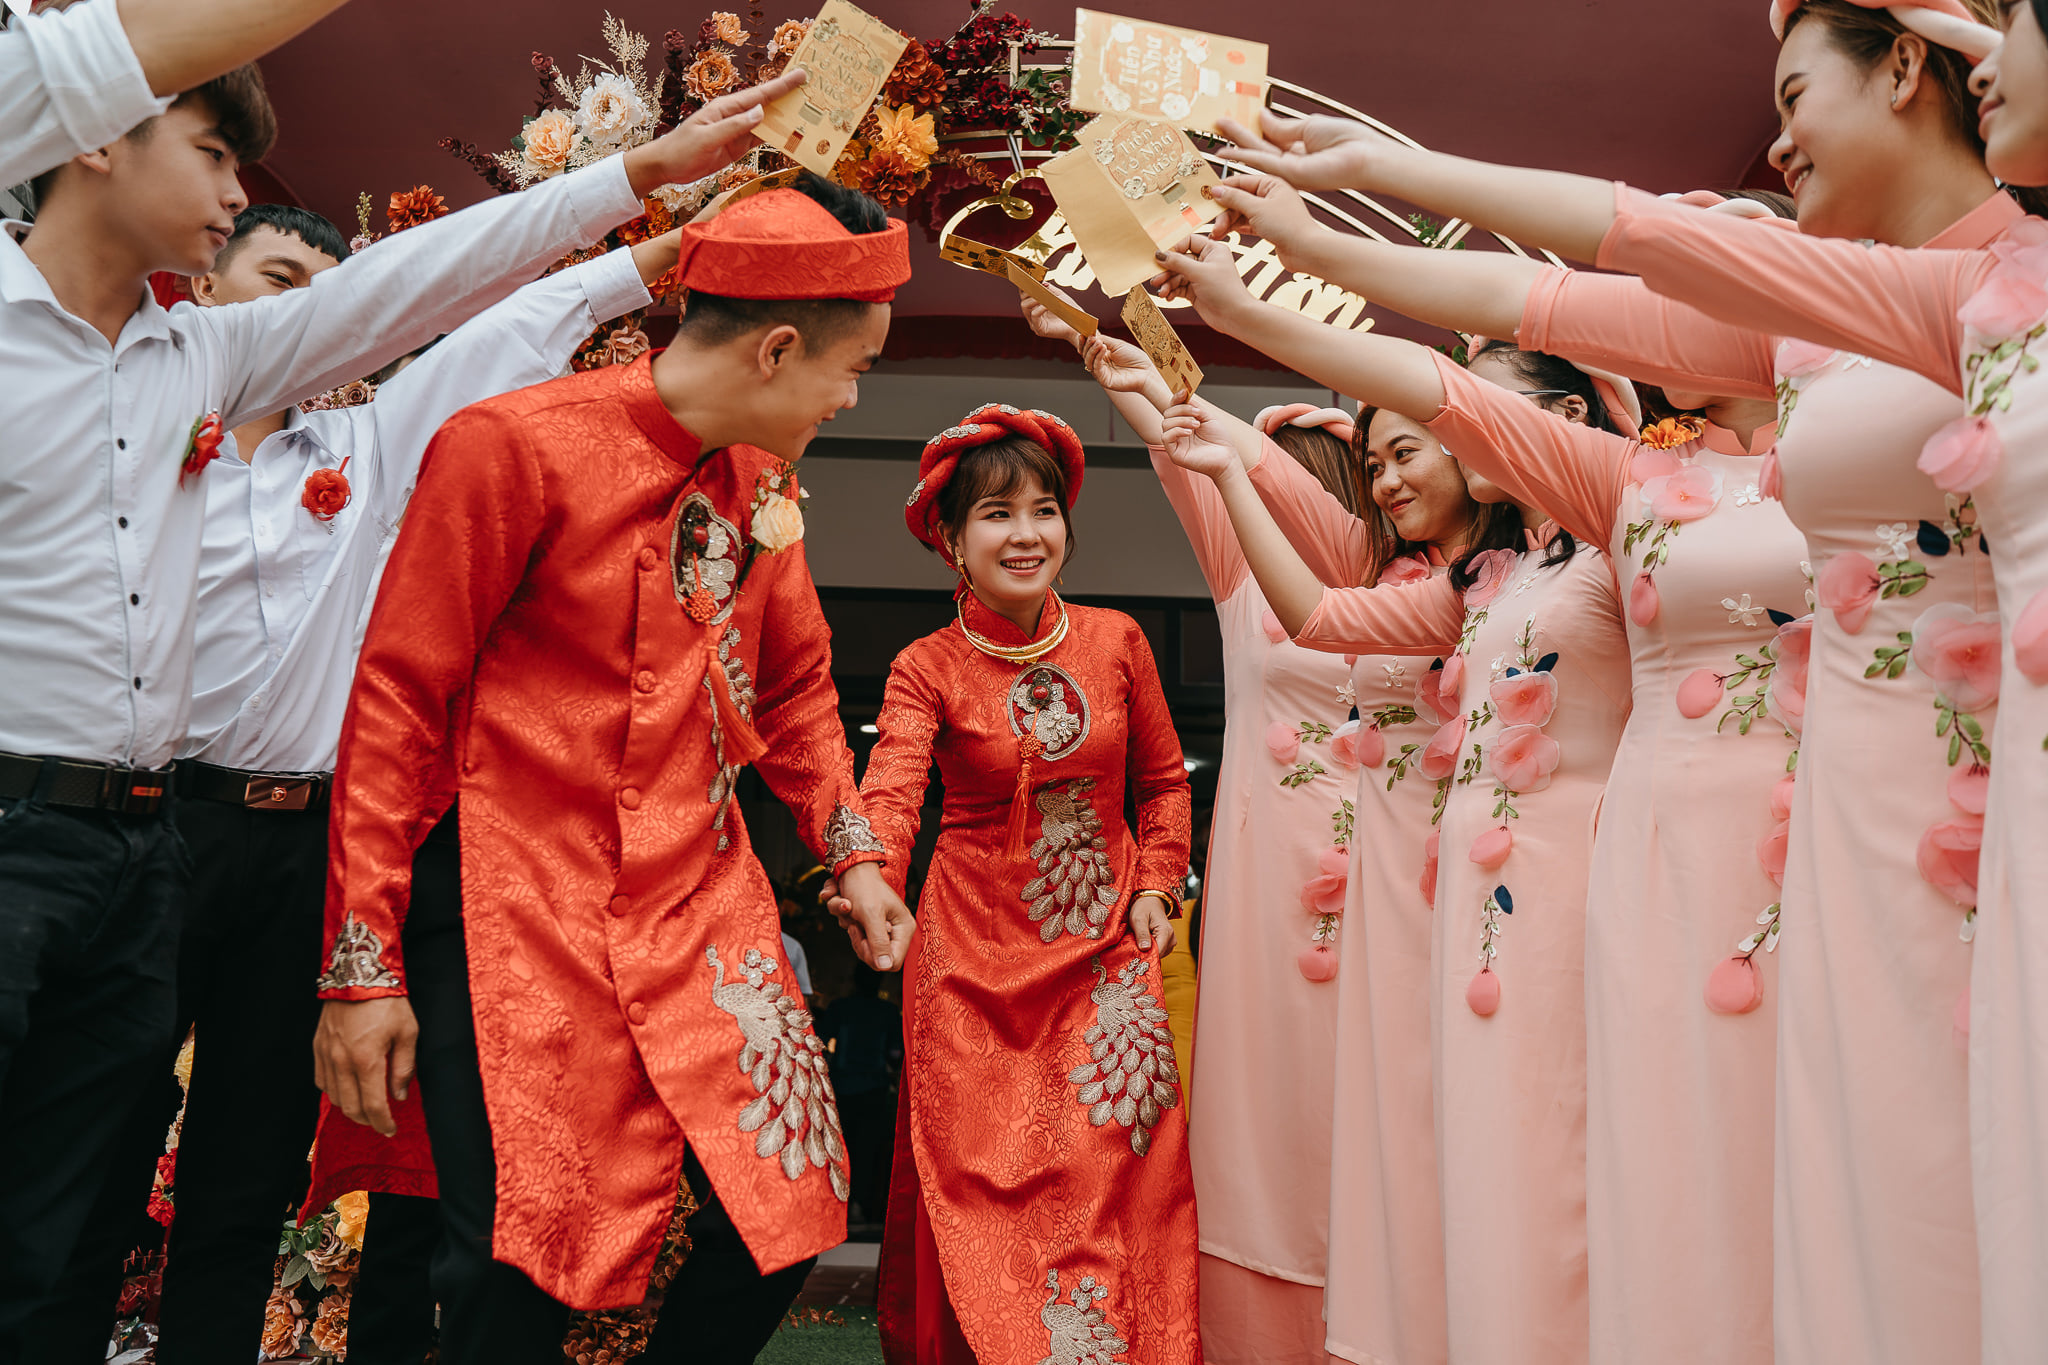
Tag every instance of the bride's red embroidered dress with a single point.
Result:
(1042, 1203)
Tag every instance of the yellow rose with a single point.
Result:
(549, 140)
(182, 1068)
(354, 1208)
(778, 523)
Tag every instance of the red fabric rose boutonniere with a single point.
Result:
(327, 492)
(202, 448)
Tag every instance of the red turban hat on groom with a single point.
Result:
(783, 244)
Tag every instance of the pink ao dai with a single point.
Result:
(1876, 1247)
(1970, 321)
(1537, 691)
(1385, 1299)
(1259, 1117)
(1682, 901)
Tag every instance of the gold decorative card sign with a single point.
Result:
(992, 260)
(1181, 75)
(1059, 305)
(1161, 344)
(1132, 187)
(847, 57)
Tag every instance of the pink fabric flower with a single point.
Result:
(1962, 455)
(1958, 650)
(1651, 463)
(2030, 639)
(2007, 304)
(1482, 996)
(1699, 693)
(1735, 987)
(1450, 685)
(1770, 851)
(2024, 246)
(1688, 495)
(1781, 797)
(1316, 963)
(1492, 847)
(1491, 570)
(1428, 882)
(1799, 358)
(1523, 758)
(1430, 699)
(1440, 756)
(1948, 857)
(1358, 745)
(1848, 588)
(1283, 741)
(1770, 480)
(1525, 699)
(1323, 894)
(1275, 632)
(1969, 788)
(1643, 602)
(1406, 569)
(1785, 697)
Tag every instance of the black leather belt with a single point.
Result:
(86, 786)
(256, 791)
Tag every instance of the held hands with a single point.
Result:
(708, 140)
(1149, 921)
(1318, 153)
(874, 917)
(1195, 441)
(350, 1049)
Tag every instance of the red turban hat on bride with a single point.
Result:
(985, 426)
(783, 244)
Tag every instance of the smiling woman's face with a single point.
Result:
(1842, 142)
(1412, 480)
(1013, 545)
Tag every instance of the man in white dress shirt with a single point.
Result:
(283, 582)
(106, 400)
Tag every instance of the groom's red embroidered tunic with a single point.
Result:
(532, 655)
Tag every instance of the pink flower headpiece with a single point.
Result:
(1945, 22)
(1333, 420)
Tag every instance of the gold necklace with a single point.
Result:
(1016, 654)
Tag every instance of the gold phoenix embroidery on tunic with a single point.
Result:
(358, 960)
(1131, 1075)
(704, 557)
(847, 833)
(792, 1115)
(1079, 1333)
(1075, 888)
(740, 687)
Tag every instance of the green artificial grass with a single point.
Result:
(854, 1341)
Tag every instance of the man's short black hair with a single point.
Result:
(240, 106)
(713, 319)
(304, 224)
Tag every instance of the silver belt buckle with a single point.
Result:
(277, 793)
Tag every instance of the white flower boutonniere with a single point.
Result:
(777, 512)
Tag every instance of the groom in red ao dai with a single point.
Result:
(589, 623)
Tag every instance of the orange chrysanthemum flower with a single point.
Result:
(1672, 432)
(410, 208)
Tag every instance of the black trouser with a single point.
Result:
(246, 964)
(390, 1307)
(89, 911)
(720, 1307)
(869, 1120)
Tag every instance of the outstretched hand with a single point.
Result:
(709, 140)
(1192, 439)
(874, 917)
(1047, 323)
(1204, 272)
(1316, 153)
(1263, 206)
(1121, 367)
